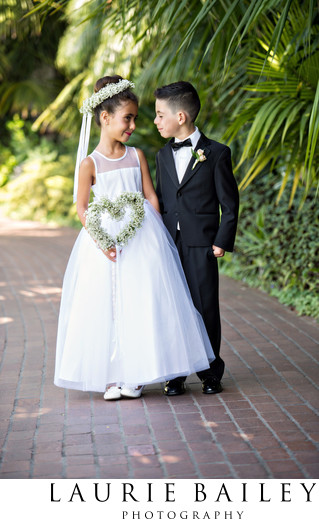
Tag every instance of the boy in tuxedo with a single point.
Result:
(194, 182)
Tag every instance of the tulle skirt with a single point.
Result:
(132, 321)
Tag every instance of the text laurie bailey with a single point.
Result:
(218, 492)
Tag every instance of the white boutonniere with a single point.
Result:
(199, 155)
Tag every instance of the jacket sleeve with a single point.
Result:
(159, 184)
(228, 197)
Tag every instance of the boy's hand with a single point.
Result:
(218, 252)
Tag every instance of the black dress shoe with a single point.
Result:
(211, 385)
(174, 388)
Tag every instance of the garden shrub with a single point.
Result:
(37, 177)
(277, 248)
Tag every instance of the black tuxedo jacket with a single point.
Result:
(196, 202)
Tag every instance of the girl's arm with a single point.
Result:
(86, 180)
(148, 188)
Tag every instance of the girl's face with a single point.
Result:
(121, 124)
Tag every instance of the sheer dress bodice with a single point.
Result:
(114, 176)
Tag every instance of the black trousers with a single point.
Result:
(201, 271)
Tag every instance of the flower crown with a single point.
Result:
(106, 92)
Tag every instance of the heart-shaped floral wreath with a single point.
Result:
(116, 209)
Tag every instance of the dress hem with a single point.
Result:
(79, 386)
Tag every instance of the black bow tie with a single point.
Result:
(179, 144)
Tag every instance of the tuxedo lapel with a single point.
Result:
(169, 163)
(190, 171)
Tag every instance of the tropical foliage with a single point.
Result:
(283, 116)
(29, 79)
(41, 171)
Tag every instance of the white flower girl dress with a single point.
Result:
(132, 321)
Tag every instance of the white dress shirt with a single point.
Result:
(183, 155)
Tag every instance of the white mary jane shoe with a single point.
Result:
(130, 392)
(112, 393)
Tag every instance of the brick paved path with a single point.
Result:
(264, 424)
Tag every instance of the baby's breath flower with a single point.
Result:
(106, 92)
(116, 209)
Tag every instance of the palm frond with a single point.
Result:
(14, 24)
(55, 114)
(313, 133)
(284, 104)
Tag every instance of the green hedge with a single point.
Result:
(36, 175)
(277, 248)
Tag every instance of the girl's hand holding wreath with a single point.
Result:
(111, 254)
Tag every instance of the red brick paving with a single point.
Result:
(263, 425)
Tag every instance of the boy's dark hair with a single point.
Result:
(180, 96)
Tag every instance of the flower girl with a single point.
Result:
(126, 316)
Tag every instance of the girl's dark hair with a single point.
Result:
(111, 104)
(180, 96)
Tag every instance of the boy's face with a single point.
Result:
(166, 121)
